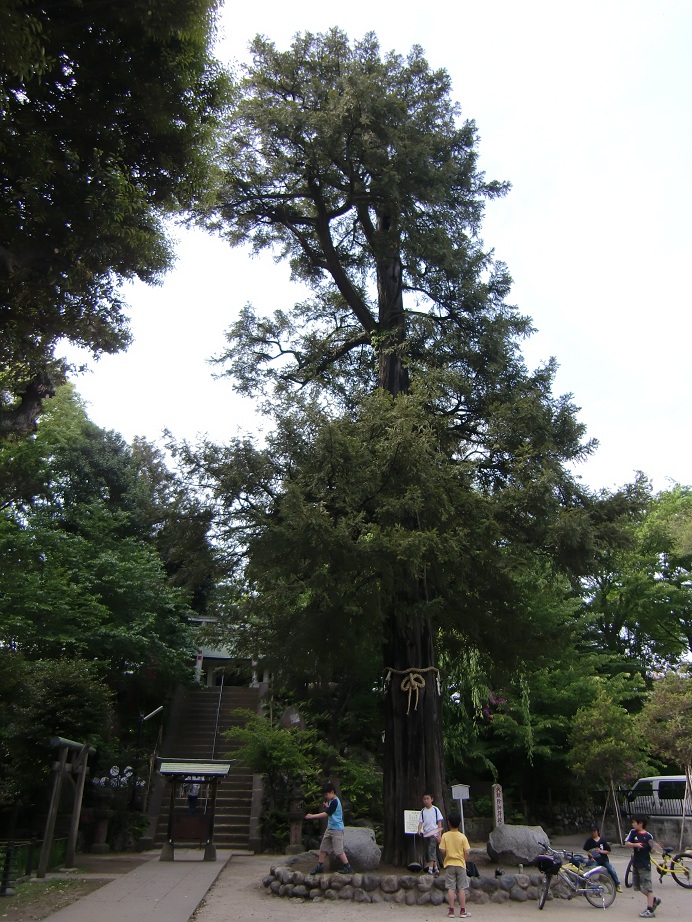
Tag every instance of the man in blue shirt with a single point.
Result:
(333, 838)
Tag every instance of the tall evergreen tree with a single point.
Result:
(354, 166)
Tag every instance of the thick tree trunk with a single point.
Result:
(413, 761)
(393, 375)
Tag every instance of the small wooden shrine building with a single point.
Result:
(197, 826)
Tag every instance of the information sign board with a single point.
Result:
(411, 820)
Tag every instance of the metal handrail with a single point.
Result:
(218, 717)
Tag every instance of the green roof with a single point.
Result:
(200, 768)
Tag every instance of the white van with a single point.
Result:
(661, 795)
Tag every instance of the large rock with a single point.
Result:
(362, 851)
(516, 845)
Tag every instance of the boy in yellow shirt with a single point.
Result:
(455, 849)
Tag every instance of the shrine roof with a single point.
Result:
(201, 769)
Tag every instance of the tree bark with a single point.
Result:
(413, 759)
(393, 375)
(22, 418)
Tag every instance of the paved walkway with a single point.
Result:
(155, 891)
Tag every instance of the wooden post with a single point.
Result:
(616, 808)
(210, 847)
(58, 772)
(168, 850)
(79, 765)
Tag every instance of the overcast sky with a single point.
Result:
(585, 109)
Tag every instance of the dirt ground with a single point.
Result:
(239, 894)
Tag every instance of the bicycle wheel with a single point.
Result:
(603, 892)
(544, 892)
(628, 874)
(681, 869)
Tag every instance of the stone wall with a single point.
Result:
(409, 889)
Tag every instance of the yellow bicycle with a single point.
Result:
(679, 866)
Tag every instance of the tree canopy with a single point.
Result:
(353, 166)
(638, 597)
(90, 555)
(107, 115)
(666, 719)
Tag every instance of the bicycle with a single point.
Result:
(678, 866)
(594, 883)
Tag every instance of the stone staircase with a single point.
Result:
(192, 736)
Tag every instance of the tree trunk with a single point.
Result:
(393, 375)
(413, 761)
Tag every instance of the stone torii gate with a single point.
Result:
(197, 827)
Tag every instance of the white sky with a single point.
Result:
(585, 109)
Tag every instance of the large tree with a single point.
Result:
(107, 111)
(354, 166)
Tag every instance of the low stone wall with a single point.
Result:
(409, 889)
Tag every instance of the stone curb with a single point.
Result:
(407, 889)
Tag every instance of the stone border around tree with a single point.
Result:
(409, 889)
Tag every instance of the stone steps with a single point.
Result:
(193, 737)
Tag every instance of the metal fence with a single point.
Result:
(19, 859)
(648, 804)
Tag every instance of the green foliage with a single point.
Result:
(482, 805)
(42, 699)
(334, 516)
(83, 588)
(96, 567)
(108, 113)
(360, 778)
(666, 719)
(639, 598)
(529, 735)
(284, 757)
(91, 554)
(607, 746)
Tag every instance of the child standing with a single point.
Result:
(599, 850)
(333, 838)
(455, 847)
(430, 828)
(642, 842)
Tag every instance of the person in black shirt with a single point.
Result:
(599, 850)
(642, 842)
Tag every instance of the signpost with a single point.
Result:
(460, 792)
(411, 820)
(498, 805)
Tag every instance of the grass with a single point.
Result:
(36, 899)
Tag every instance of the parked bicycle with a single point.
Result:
(594, 883)
(678, 866)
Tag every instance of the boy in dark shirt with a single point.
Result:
(642, 842)
(599, 850)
